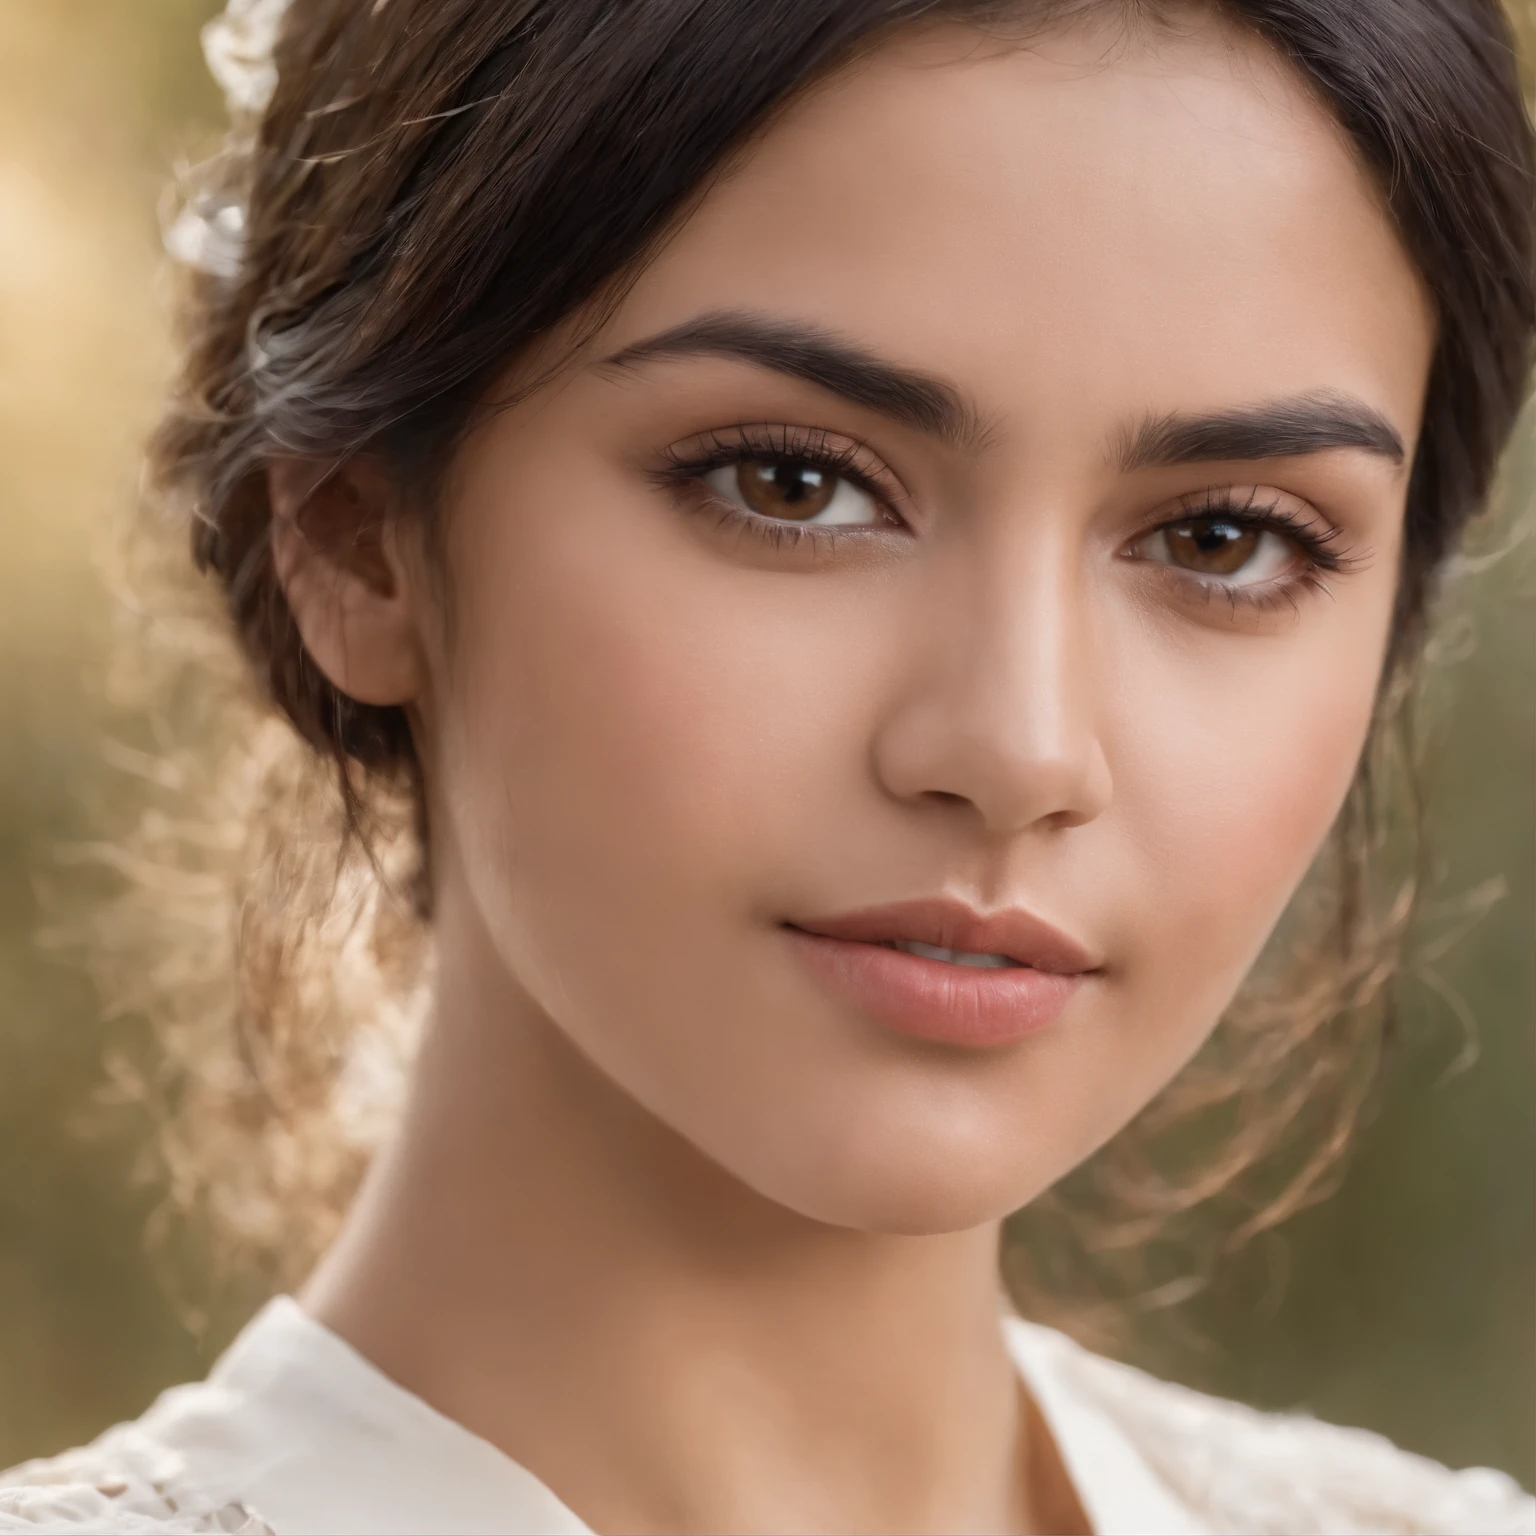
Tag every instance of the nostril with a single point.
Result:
(945, 797)
(1061, 821)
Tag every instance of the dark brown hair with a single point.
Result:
(438, 183)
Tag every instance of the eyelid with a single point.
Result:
(696, 456)
(1321, 541)
(1322, 546)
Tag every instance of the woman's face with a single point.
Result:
(977, 530)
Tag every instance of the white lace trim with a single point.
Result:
(120, 1484)
(1237, 1469)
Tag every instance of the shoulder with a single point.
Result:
(1239, 1469)
(122, 1482)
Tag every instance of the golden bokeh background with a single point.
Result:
(1405, 1303)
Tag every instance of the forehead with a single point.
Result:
(1095, 221)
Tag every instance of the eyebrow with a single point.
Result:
(806, 351)
(1277, 429)
(1288, 428)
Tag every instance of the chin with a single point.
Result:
(926, 1204)
(912, 1180)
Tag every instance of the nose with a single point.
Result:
(999, 708)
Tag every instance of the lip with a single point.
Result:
(933, 999)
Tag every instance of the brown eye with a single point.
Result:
(1211, 547)
(785, 489)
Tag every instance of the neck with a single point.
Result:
(546, 1263)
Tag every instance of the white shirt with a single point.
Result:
(295, 1432)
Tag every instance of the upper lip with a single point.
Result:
(950, 924)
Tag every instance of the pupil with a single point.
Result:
(1212, 538)
(796, 482)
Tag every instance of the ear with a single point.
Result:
(353, 585)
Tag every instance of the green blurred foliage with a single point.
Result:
(1404, 1303)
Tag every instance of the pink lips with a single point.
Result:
(934, 999)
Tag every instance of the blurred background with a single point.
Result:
(1407, 1303)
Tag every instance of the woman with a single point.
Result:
(866, 544)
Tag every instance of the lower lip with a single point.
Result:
(933, 999)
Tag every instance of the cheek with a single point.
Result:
(1240, 766)
(625, 721)
(638, 737)
(1232, 758)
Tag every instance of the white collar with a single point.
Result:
(298, 1426)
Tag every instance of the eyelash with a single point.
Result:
(683, 470)
(1319, 542)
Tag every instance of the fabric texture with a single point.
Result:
(295, 1432)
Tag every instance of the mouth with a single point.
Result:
(952, 933)
(938, 970)
(981, 962)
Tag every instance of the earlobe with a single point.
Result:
(342, 565)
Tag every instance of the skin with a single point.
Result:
(692, 1239)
